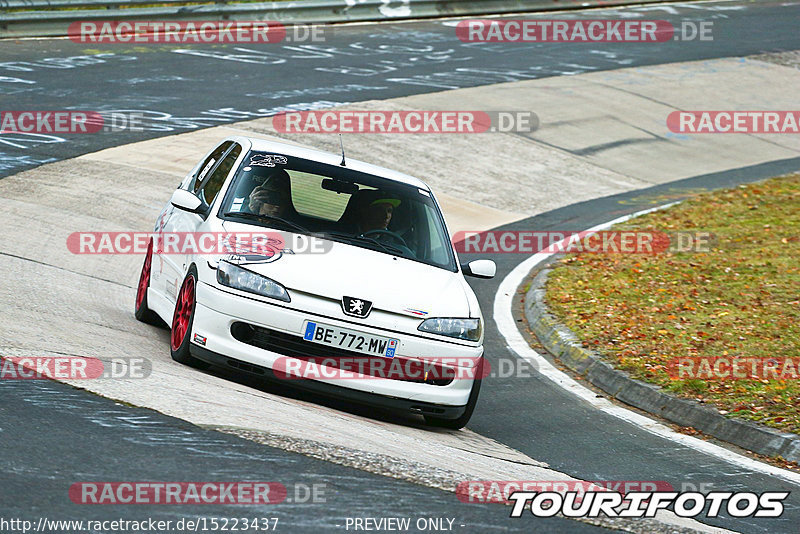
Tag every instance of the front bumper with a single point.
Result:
(217, 310)
(330, 390)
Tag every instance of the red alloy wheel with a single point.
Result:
(183, 312)
(144, 278)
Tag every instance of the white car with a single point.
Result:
(362, 299)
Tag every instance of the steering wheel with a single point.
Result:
(395, 236)
(380, 231)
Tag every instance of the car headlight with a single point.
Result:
(233, 276)
(469, 329)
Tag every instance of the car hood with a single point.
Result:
(391, 283)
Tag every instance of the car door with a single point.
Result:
(205, 183)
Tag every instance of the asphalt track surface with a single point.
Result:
(44, 451)
(189, 87)
(54, 435)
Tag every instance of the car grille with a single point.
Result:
(296, 347)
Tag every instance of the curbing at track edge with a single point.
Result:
(563, 344)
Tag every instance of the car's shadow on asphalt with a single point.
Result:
(276, 387)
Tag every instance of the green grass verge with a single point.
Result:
(742, 298)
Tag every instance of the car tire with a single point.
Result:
(182, 320)
(141, 311)
(463, 419)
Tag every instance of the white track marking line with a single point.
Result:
(508, 329)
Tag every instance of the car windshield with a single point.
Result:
(339, 204)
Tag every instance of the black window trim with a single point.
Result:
(207, 207)
(200, 167)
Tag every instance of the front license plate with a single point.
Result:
(351, 340)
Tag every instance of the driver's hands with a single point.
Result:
(257, 198)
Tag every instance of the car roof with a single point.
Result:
(329, 158)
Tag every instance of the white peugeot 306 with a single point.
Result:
(335, 275)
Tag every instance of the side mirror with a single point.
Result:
(480, 268)
(186, 201)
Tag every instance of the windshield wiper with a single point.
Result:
(385, 246)
(261, 217)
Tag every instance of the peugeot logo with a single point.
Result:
(356, 307)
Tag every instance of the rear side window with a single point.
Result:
(207, 166)
(213, 182)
